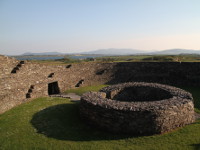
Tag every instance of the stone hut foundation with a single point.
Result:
(138, 108)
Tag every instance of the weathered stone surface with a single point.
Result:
(16, 87)
(6, 65)
(137, 116)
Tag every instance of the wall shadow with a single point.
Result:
(62, 122)
(196, 146)
(171, 73)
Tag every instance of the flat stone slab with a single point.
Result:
(74, 97)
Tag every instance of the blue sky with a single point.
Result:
(84, 25)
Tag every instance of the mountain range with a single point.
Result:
(43, 53)
(113, 51)
(176, 52)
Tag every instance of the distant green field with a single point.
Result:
(152, 58)
(54, 124)
(121, 58)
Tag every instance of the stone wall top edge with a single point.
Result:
(132, 106)
(179, 98)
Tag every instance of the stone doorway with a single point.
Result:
(53, 88)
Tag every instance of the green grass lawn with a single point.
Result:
(196, 96)
(54, 124)
(81, 90)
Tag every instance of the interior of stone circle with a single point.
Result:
(141, 93)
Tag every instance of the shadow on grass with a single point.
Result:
(63, 122)
(196, 146)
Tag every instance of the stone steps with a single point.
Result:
(17, 68)
(30, 90)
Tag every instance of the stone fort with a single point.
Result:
(21, 81)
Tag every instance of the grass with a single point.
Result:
(81, 90)
(151, 58)
(48, 62)
(54, 124)
(121, 58)
(196, 96)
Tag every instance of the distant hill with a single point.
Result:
(176, 52)
(113, 51)
(141, 52)
(44, 53)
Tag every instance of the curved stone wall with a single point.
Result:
(136, 92)
(17, 78)
(170, 73)
(16, 88)
(6, 65)
(157, 116)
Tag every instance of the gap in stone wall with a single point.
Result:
(68, 66)
(79, 83)
(101, 72)
(28, 95)
(53, 88)
(51, 75)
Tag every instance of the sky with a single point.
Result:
(84, 25)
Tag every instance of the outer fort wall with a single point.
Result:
(32, 79)
(6, 65)
(171, 73)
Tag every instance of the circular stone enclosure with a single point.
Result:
(137, 93)
(138, 108)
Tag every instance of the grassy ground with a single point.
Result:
(151, 58)
(81, 90)
(54, 124)
(122, 58)
(196, 96)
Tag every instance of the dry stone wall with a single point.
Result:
(16, 87)
(138, 116)
(171, 73)
(32, 81)
(6, 65)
